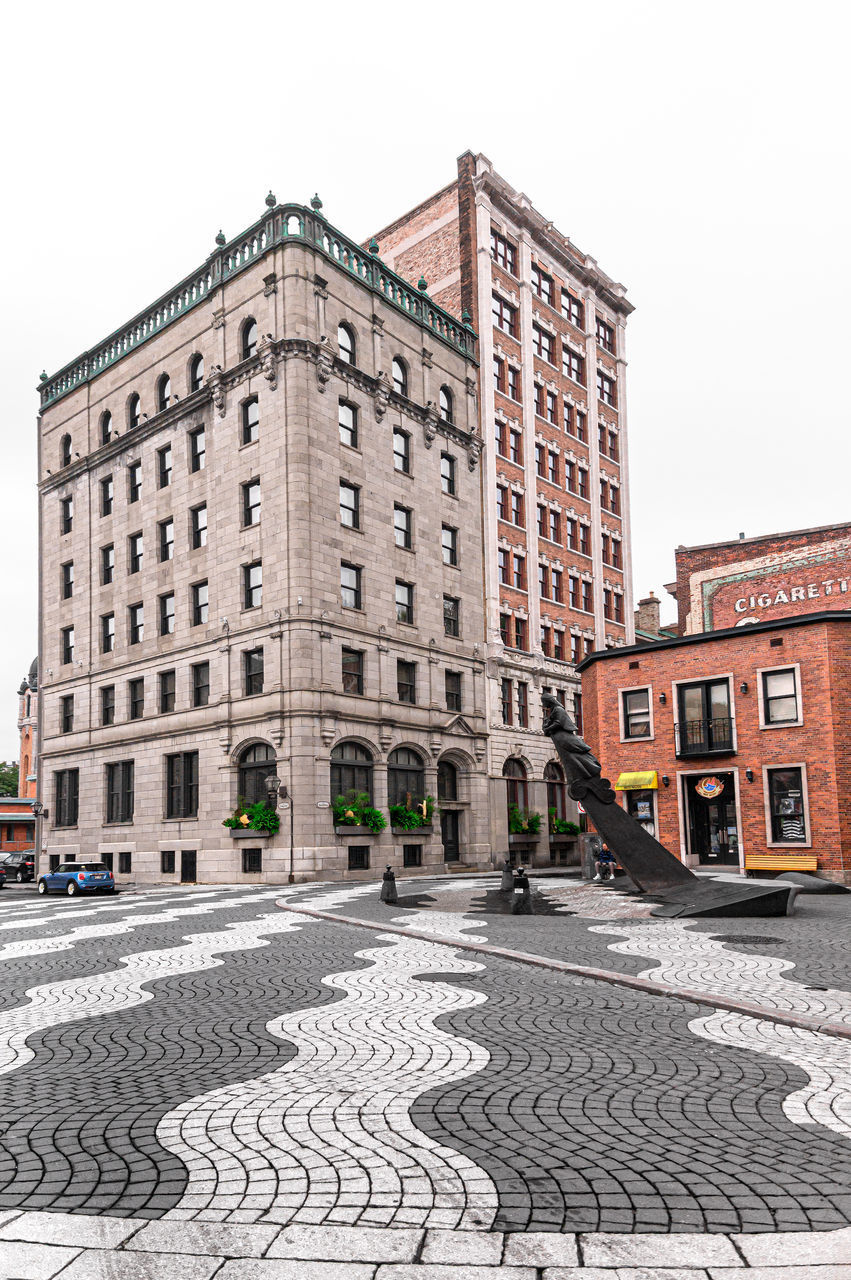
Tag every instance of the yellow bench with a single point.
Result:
(780, 862)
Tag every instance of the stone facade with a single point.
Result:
(552, 385)
(145, 465)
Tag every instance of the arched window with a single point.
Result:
(163, 392)
(556, 789)
(346, 343)
(255, 766)
(400, 376)
(249, 339)
(446, 404)
(65, 451)
(351, 769)
(405, 777)
(134, 411)
(516, 786)
(196, 372)
(105, 427)
(447, 780)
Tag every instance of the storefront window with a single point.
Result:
(640, 805)
(786, 805)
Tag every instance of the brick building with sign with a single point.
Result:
(733, 746)
(17, 821)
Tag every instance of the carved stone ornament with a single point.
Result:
(430, 425)
(324, 362)
(474, 452)
(218, 320)
(327, 731)
(471, 386)
(381, 394)
(268, 363)
(428, 358)
(270, 285)
(215, 382)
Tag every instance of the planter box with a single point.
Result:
(411, 831)
(524, 837)
(558, 837)
(356, 831)
(245, 833)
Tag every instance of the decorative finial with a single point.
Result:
(422, 284)
(316, 204)
(42, 377)
(271, 200)
(466, 319)
(221, 239)
(373, 245)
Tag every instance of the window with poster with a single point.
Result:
(786, 805)
(641, 805)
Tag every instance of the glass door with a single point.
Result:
(713, 829)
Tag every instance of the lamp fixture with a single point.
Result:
(749, 774)
(743, 687)
(663, 698)
(666, 781)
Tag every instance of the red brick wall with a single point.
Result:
(822, 742)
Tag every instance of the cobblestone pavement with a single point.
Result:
(198, 1083)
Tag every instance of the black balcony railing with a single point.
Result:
(705, 737)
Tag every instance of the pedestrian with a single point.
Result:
(604, 866)
(388, 886)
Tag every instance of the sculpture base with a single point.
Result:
(725, 898)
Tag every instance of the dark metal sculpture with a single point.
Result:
(649, 865)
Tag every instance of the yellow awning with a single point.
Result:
(637, 782)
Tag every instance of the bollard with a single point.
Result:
(506, 884)
(522, 906)
(388, 886)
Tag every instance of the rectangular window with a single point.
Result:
(135, 699)
(577, 711)
(402, 526)
(573, 591)
(601, 437)
(605, 388)
(347, 417)
(402, 451)
(198, 526)
(453, 690)
(618, 607)
(539, 399)
(605, 336)
(449, 544)
(582, 477)
(572, 364)
(252, 671)
(67, 645)
(107, 633)
(507, 702)
(543, 523)
(547, 639)
(558, 644)
(520, 633)
(406, 681)
(167, 862)
(552, 408)
(607, 602)
(350, 586)
(636, 713)
(107, 564)
(106, 496)
(572, 309)
(555, 526)
(575, 647)
(540, 455)
(504, 315)
(570, 475)
(705, 724)
(251, 503)
(513, 383)
(587, 597)
(168, 686)
(134, 481)
(504, 253)
(250, 420)
(786, 806)
(349, 505)
(404, 602)
(119, 793)
(515, 447)
(107, 704)
(164, 467)
(556, 584)
(197, 450)
(201, 684)
(617, 560)
(252, 861)
(500, 438)
(67, 580)
(125, 862)
(136, 623)
(572, 536)
(780, 697)
(447, 473)
(352, 671)
(358, 857)
(542, 284)
(518, 577)
(585, 539)
(135, 552)
(614, 499)
(504, 624)
(451, 616)
(66, 713)
(543, 582)
(200, 603)
(252, 585)
(165, 539)
(499, 374)
(66, 515)
(503, 559)
(517, 510)
(543, 344)
(412, 855)
(605, 541)
(167, 614)
(522, 704)
(66, 786)
(613, 446)
(581, 426)
(182, 785)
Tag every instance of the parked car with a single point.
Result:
(2, 878)
(78, 877)
(19, 866)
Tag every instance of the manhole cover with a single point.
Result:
(748, 939)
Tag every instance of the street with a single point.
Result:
(212, 1081)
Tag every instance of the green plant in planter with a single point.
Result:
(260, 818)
(562, 826)
(412, 819)
(522, 823)
(354, 809)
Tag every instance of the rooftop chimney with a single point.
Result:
(647, 615)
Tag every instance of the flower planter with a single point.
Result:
(411, 831)
(524, 837)
(559, 837)
(245, 833)
(346, 830)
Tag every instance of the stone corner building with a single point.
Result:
(261, 551)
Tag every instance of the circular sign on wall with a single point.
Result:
(709, 788)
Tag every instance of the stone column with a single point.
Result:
(593, 421)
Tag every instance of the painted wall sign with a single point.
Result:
(709, 788)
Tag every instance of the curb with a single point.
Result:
(611, 976)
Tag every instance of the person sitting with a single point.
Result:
(604, 866)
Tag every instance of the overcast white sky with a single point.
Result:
(698, 152)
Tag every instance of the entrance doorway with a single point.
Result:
(449, 831)
(188, 866)
(713, 828)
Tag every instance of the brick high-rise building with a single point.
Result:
(552, 386)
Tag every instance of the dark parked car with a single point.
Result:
(78, 877)
(19, 866)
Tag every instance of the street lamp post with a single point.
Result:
(276, 789)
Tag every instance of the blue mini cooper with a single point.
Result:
(78, 877)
